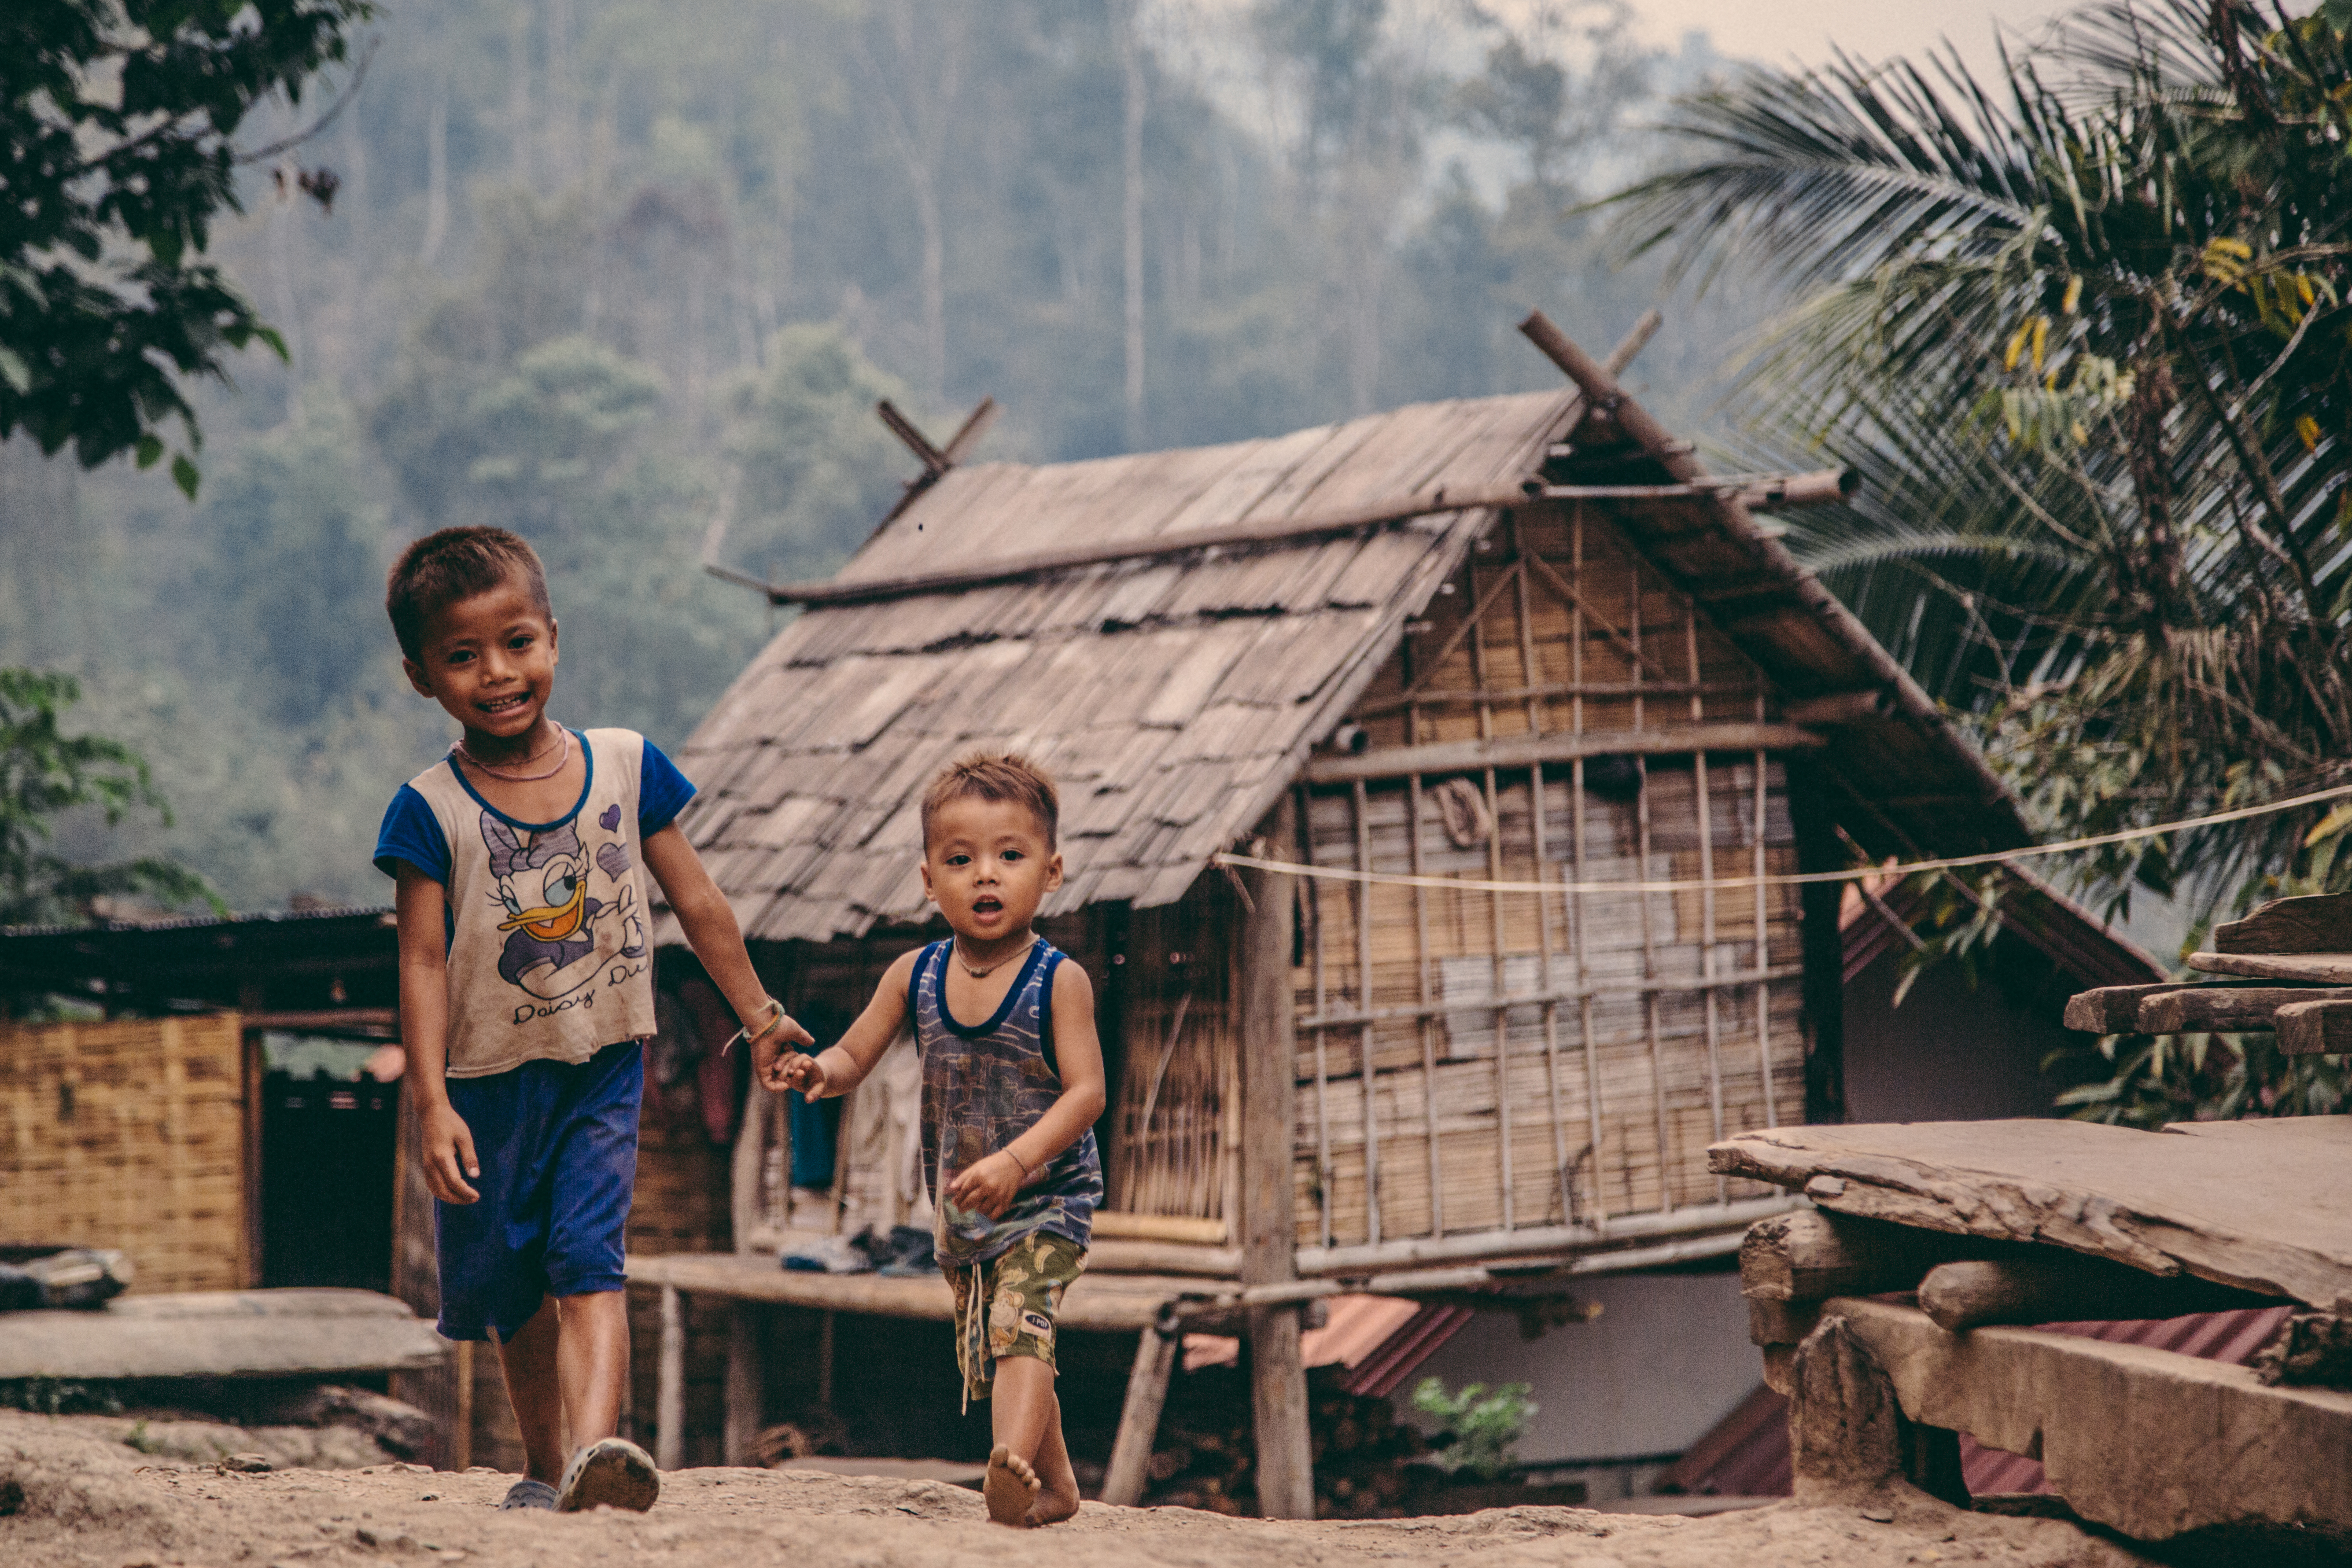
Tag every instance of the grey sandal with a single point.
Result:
(611, 1473)
(528, 1493)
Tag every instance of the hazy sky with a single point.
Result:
(1779, 31)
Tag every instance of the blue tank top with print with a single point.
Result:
(984, 1085)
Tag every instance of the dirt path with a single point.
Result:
(69, 1498)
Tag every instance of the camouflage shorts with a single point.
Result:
(1022, 1291)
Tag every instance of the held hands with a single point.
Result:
(447, 1145)
(782, 1074)
(987, 1186)
(768, 1044)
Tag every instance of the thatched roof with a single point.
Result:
(1174, 695)
(1172, 698)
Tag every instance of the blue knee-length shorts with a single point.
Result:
(557, 1146)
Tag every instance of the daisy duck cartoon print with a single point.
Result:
(560, 935)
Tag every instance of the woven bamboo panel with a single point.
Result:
(131, 1135)
(1172, 1127)
(1525, 1060)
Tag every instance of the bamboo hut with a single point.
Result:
(1497, 641)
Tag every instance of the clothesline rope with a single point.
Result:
(1790, 879)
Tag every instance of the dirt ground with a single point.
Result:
(72, 1495)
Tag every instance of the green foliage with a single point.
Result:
(117, 125)
(2084, 328)
(49, 1397)
(1480, 1428)
(45, 773)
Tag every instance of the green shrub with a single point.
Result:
(1479, 1430)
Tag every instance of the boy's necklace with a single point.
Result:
(564, 756)
(965, 964)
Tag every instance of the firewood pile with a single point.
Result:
(2289, 970)
(1204, 1455)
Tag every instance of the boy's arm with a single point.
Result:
(844, 1065)
(446, 1144)
(708, 922)
(990, 1185)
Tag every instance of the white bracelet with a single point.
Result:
(748, 1032)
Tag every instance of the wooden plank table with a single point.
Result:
(2001, 1224)
(221, 1334)
(2260, 1204)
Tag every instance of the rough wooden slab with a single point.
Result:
(221, 1334)
(2251, 1204)
(1106, 1302)
(2318, 1026)
(2319, 924)
(2118, 1010)
(2323, 968)
(2150, 1442)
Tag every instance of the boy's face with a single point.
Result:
(988, 867)
(488, 661)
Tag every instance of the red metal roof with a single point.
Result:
(1746, 1454)
(1380, 1339)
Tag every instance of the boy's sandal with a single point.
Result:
(528, 1493)
(610, 1473)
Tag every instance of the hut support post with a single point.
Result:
(669, 1393)
(1286, 1479)
(744, 1382)
(1138, 1418)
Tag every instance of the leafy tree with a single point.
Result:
(2084, 328)
(117, 120)
(45, 774)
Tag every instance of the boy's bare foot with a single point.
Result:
(1053, 1504)
(1010, 1487)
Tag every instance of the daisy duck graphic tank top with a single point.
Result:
(984, 1085)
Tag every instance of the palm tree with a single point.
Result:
(2084, 328)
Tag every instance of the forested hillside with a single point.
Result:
(628, 274)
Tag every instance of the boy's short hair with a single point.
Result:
(996, 776)
(441, 569)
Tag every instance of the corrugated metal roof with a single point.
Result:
(1746, 1454)
(1380, 1341)
(1172, 699)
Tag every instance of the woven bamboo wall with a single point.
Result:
(131, 1135)
(1175, 1117)
(1633, 1028)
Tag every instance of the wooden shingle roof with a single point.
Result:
(1173, 697)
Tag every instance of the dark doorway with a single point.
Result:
(328, 1142)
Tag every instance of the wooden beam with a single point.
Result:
(746, 1414)
(2316, 1029)
(2051, 1286)
(1628, 348)
(2319, 924)
(1810, 1255)
(669, 1389)
(2314, 968)
(370, 1022)
(1235, 536)
(286, 1334)
(2149, 1442)
(1523, 750)
(967, 434)
(935, 462)
(1138, 1417)
(1114, 1224)
(2177, 1008)
(1269, 1048)
(2196, 1009)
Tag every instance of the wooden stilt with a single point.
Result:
(1285, 1475)
(1138, 1418)
(744, 1381)
(669, 1393)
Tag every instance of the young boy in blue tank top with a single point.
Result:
(1012, 1081)
(526, 988)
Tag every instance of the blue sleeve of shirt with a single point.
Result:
(662, 792)
(411, 832)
